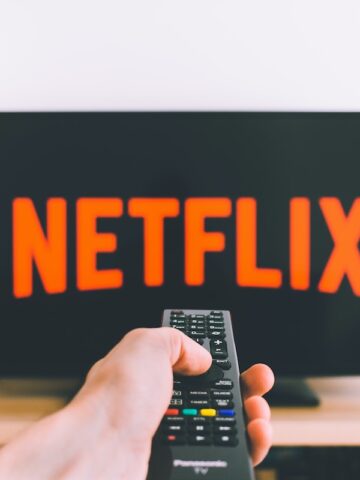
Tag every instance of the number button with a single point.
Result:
(216, 323)
(178, 322)
(182, 328)
(216, 327)
(197, 333)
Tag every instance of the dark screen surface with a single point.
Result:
(271, 157)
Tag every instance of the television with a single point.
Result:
(108, 218)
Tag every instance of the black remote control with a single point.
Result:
(203, 432)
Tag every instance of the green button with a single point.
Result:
(190, 411)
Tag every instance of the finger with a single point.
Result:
(257, 407)
(257, 380)
(260, 434)
(186, 356)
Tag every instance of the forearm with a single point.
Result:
(61, 445)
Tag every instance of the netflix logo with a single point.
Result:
(44, 247)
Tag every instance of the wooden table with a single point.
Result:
(336, 422)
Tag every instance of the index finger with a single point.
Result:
(257, 380)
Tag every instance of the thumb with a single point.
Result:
(186, 356)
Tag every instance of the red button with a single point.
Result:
(171, 438)
(172, 411)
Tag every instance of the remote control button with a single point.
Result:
(222, 394)
(223, 440)
(200, 323)
(197, 333)
(179, 323)
(176, 402)
(216, 334)
(217, 328)
(218, 343)
(218, 349)
(224, 429)
(216, 322)
(174, 429)
(198, 394)
(179, 327)
(178, 316)
(224, 421)
(198, 340)
(196, 316)
(200, 328)
(172, 412)
(217, 313)
(224, 384)
(212, 318)
(227, 413)
(199, 403)
(204, 428)
(214, 374)
(189, 412)
(222, 403)
(218, 353)
(174, 439)
(208, 412)
(198, 420)
(200, 440)
(222, 363)
(174, 420)
(177, 393)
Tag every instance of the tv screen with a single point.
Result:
(108, 218)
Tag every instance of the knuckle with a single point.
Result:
(94, 369)
(139, 335)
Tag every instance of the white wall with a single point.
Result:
(184, 54)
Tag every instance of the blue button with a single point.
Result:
(227, 413)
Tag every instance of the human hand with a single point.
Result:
(106, 430)
(143, 364)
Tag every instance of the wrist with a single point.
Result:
(113, 425)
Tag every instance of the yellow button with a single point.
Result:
(208, 412)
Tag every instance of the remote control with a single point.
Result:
(203, 432)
